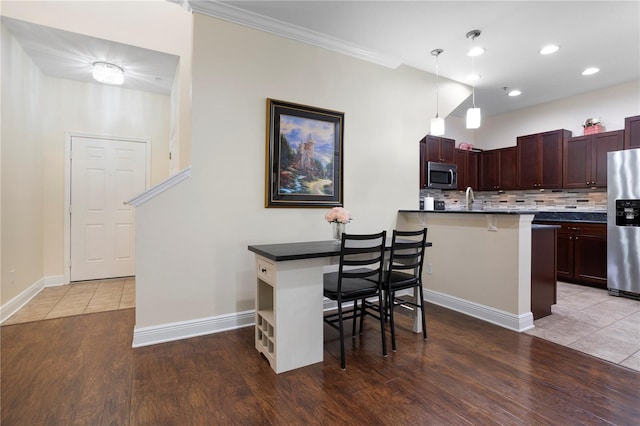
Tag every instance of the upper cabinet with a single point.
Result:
(498, 169)
(433, 148)
(540, 159)
(585, 158)
(632, 132)
(439, 149)
(468, 164)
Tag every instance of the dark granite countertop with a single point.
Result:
(540, 216)
(497, 211)
(538, 226)
(571, 216)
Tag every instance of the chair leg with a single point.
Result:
(424, 322)
(362, 314)
(381, 314)
(391, 320)
(355, 318)
(343, 363)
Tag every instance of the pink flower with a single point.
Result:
(338, 214)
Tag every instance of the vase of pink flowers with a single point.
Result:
(338, 217)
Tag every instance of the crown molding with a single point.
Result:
(253, 20)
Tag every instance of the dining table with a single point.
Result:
(289, 300)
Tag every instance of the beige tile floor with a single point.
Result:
(76, 299)
(591, 321)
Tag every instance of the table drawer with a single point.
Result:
(265, 270)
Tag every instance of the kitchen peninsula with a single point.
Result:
(483, 263)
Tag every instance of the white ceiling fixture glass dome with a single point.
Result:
(108, 73)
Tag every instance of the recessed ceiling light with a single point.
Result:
(591, 70)
(107, 73)
(473, 77)
(515, 93)
(551, 48)
(476, 51)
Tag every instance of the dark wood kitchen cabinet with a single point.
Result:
(540, 159)
(433, 148)
(585, 159)
(438, 149)
(582, 253)
(468, 164)
(632, 132)
(498, 169)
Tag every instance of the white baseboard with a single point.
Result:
(13, 305)
(146, 336)
(498, 317)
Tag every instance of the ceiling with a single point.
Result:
(64, 54)
(604, 34)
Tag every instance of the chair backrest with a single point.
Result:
(362, 256)
(407, 251)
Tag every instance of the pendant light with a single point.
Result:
(473, 114)
(437, 123)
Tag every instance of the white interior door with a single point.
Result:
(104, 174)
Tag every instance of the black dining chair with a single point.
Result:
(359, 277)
(405, 272)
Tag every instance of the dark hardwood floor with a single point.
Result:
(82, 371)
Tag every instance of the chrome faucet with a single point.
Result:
(469, 195)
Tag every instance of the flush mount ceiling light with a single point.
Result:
(590, 71)
(514, 92)
(473, 77)
(437, 123)
(549, 49)
(107, 73)
(473, 114)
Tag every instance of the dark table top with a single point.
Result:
(301, 250)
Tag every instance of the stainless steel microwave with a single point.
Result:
(441, 175)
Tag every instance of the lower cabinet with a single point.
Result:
(582, 253)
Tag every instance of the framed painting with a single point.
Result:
(304, 156)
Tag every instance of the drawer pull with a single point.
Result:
(263, 270)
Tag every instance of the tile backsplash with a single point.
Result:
(540, 200)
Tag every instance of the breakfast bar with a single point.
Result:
(483, 265)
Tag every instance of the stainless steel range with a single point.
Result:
(623, 223)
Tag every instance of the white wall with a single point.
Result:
(101, 110)
(611, 105)
(37, 113)
(152, 24)
(22, 170)
(192, 241)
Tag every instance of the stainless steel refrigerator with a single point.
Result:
(623, 223)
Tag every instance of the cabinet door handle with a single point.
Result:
(263, 270)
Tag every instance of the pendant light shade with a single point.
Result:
(473, 118)
(437, 126)
(437, 123)
(473, 113)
